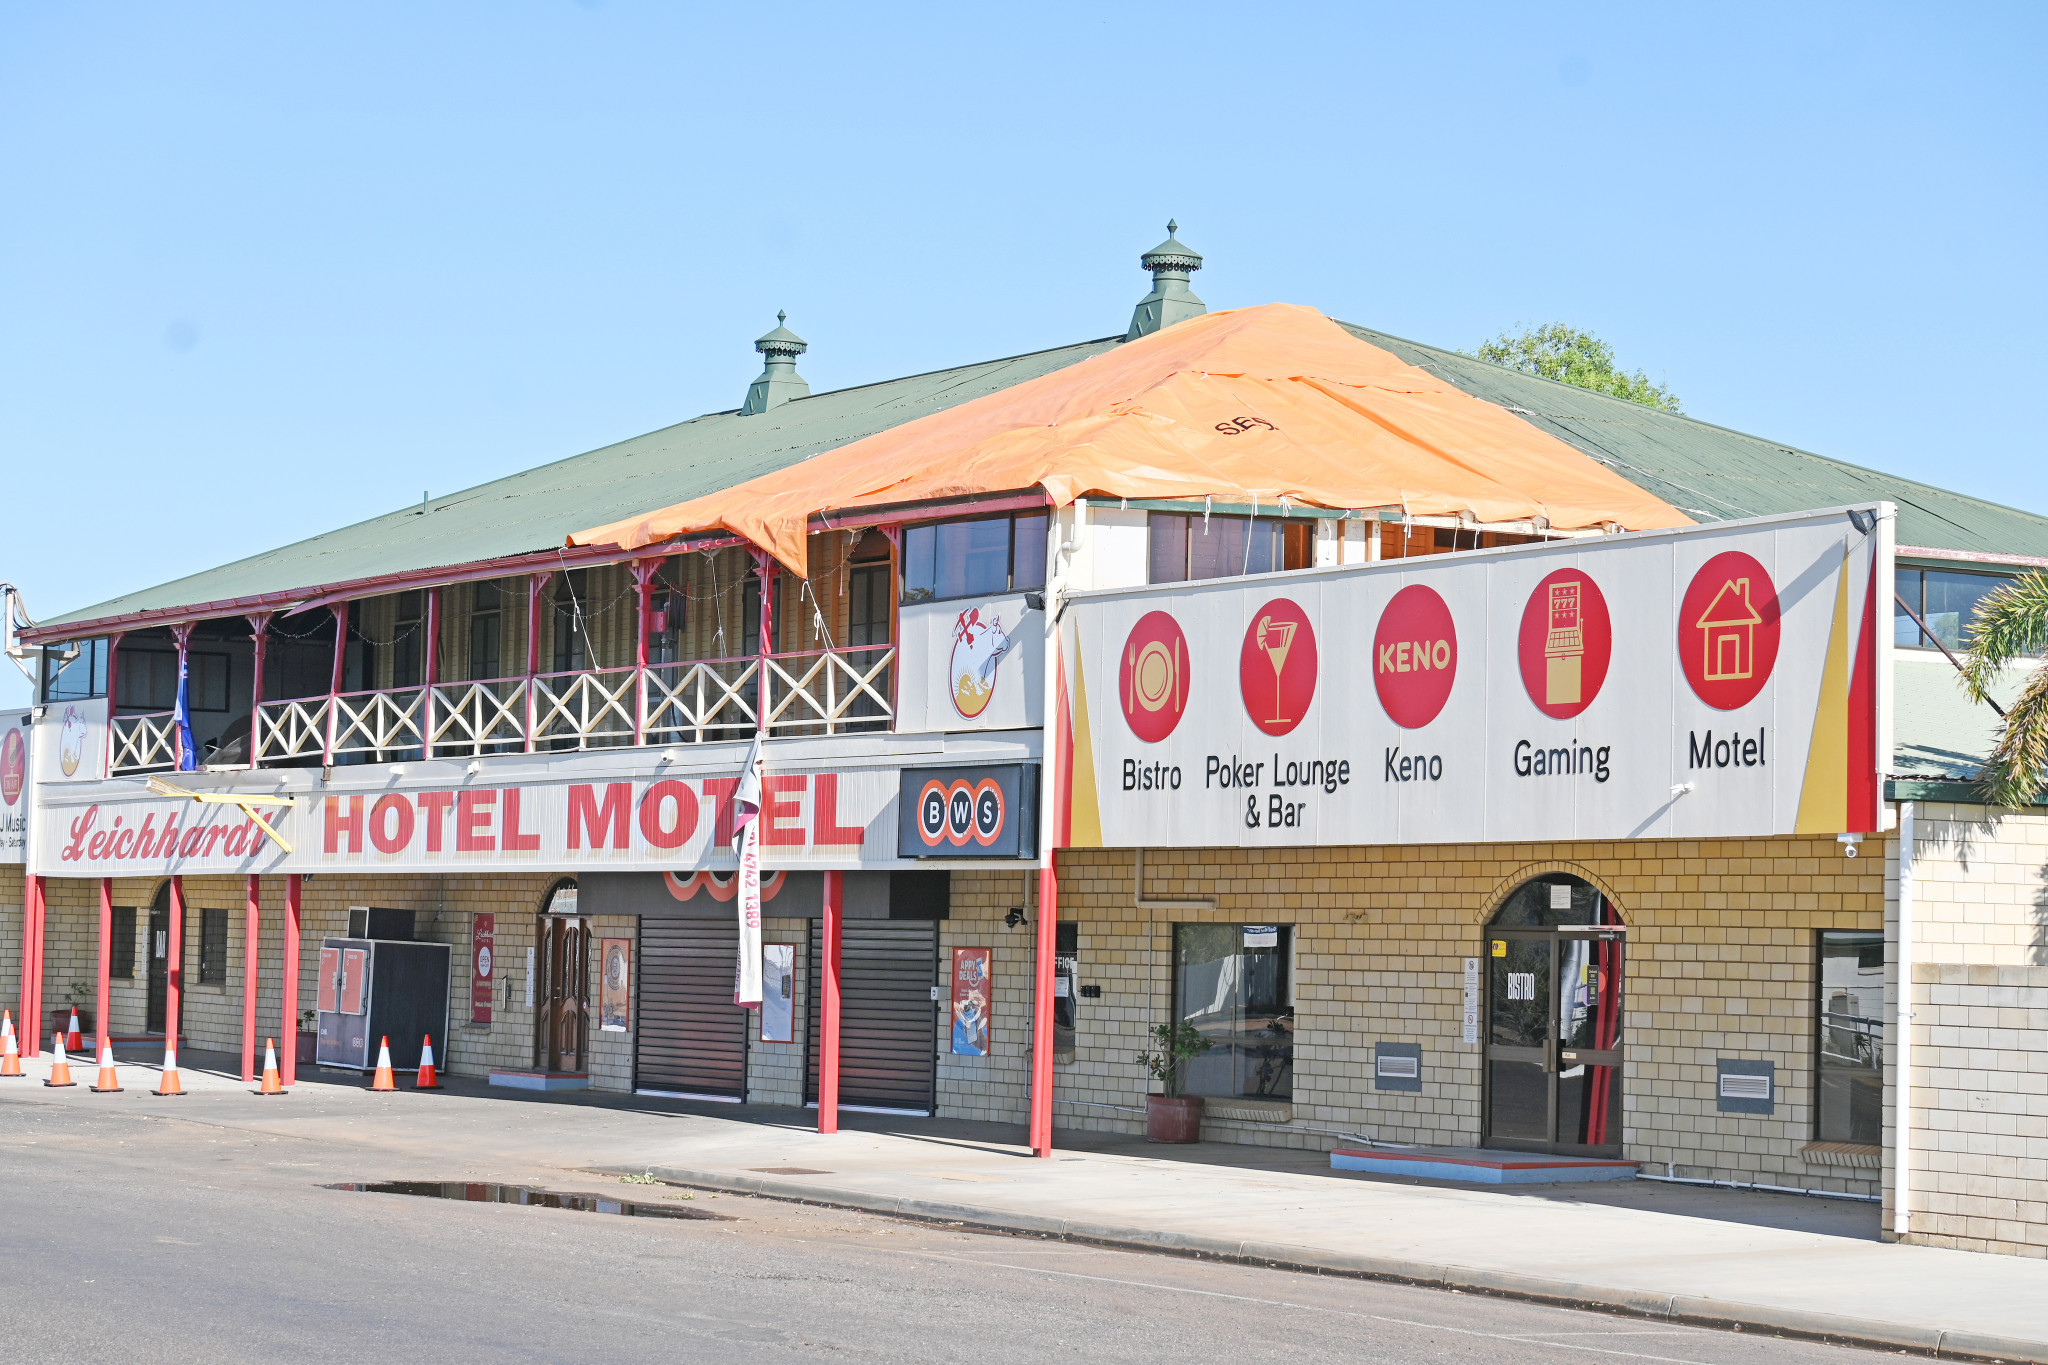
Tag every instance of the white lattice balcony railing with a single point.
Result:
(818, 692)
(145, 743)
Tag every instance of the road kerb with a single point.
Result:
(1940, 1342)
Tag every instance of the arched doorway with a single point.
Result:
(1553, 1019)
(562, 972)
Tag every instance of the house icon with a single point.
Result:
(1728, 634)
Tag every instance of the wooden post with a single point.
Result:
(828, 1006)
(290, 1060)
(106, 972)
(535, 583)
(174, 964)
(334, 676)
(251, 937)
(259, 637)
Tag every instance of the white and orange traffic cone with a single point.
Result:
(60, 1070)
(384, 1080)
(170, 1084)
(10, 1051)
(273, 1084)
(71, 1038)
(109, 1083)
(427, 1079)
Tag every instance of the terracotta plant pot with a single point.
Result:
(1173, 1119)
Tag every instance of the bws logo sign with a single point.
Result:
(987, 812)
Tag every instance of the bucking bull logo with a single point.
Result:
(979, 646)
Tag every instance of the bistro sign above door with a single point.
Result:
(1730, 679)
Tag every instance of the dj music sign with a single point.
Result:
(1731, 679)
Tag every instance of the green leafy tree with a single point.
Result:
(1578, 358)
(2012, 623)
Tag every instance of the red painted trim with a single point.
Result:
(251, 938)
(106, 969)
(174, 961)
(1904, 552)
(828, 1012)
(1864, 786)
(28, 1029)
(289, 1029)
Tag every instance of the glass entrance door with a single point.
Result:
(1553, 1021)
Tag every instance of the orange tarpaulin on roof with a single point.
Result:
(1257, 403)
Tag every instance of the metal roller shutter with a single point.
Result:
(888, 1025)
(692, 1039)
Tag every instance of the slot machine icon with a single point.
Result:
(1564, 645)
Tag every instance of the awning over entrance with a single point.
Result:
(1257, 404)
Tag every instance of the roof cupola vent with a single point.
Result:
(1171, 300)
(778, 382)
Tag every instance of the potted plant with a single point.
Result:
(79, 997)
(1172, 1116)
(309, 1038)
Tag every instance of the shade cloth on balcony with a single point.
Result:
(1257, 403)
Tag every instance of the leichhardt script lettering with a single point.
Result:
(212, 834)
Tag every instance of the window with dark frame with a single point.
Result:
(408, 640)
(486, 630)
(1849, 1063)
(1234, 984)
(666, 607)
(1187, 546)
(213, 947)
(80, 679)
(980, 557)
(572, 606)
(121, 951)
(147, 680)
(1946, 599)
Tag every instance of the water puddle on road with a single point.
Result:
(475, 1192)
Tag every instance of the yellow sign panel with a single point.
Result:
(1500, 947)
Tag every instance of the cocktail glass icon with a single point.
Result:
(1276, 638)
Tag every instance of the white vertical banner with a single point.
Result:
(746, 807)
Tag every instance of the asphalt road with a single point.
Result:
(138, 1233)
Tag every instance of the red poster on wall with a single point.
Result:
(971, 986)
(483, 934)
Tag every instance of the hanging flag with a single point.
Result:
(746, 842)
(188, 760)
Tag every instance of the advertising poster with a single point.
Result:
(970, 1002)
(483, 935)
(615, 985)
(14, 789)
(778, 993)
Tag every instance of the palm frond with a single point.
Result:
(2011, 623)
(2013, 776)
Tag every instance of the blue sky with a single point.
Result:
(270, 269)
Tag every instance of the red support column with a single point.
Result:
(290, 1030)
(334, 677)
(106, 972)
(29, 1028)
(828, 1011)
(535, 584)
(174, 965)
(1041, 1009)
(764, 574)
(644, 571)
(259, 637)
(433, 672)
(250, 940)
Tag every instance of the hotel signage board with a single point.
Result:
(1721, 680)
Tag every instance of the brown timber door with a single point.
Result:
(564, 1013)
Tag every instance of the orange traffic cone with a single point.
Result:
(170, 1084)
(273, 1084)
(109, 1083)
(60, 1070)
(384, 1080)
(71, 1038)
(427, 1079)
(10, 1051)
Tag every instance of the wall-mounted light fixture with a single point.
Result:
(1014, 918)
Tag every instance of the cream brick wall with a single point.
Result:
(775, 1071)
(1978, 1152)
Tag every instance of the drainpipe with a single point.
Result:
(1902, 1103)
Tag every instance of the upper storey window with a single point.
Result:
(1191, 546)
(80, 677)
(1945, 600)
(978, 558)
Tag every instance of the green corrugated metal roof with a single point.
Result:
(1715, 474)
(537, 509)
(1710, 472)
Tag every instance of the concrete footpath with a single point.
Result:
(1784, 1263)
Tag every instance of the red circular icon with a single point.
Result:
(1414, 657)
(13, 767)
(1728, 630)
(1566, 643)
(1152, 683)
(1276, 669)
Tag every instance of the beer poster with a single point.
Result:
(615, 986)
(971, 983)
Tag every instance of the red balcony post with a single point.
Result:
(290, 1029)
(764, 574)
(334, 677)
(251, 938)
(30, 1030)
(828, 1013)
(535, 584)
(644, 571)
(106, 971)
(174, 965)
(113, 706)
(259, 636)
(433, 672)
